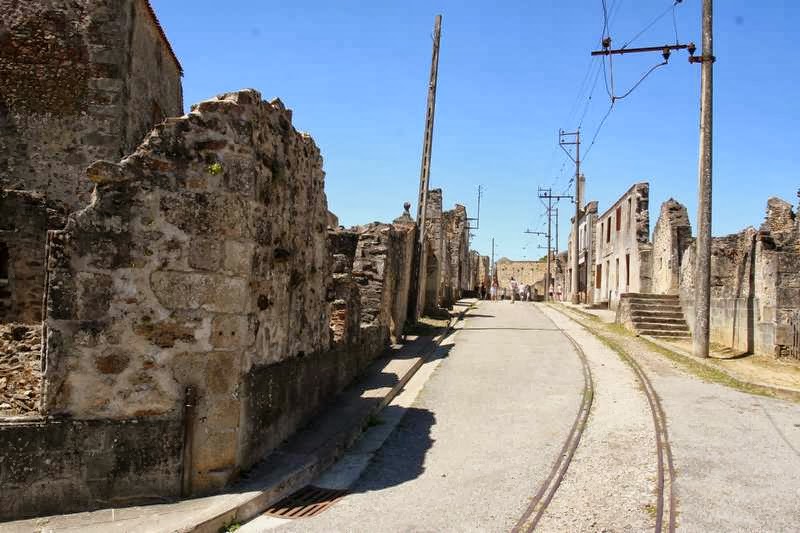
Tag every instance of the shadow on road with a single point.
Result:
(402, 457)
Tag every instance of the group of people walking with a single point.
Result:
(515, 291)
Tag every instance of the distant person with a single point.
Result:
(482, 291)
(493, 290)
(527, 293)
(514, 286)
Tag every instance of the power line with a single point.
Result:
(653, 23)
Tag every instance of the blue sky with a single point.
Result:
(511, 74)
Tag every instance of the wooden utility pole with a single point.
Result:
(702, 288)
(425, 174)
(578, 196)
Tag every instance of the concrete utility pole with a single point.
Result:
(556, 215)
(425, 171)
(702, 288)
(577, 159)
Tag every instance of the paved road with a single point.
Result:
(480, 437)
(475, 435)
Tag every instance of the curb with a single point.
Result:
(297, 477)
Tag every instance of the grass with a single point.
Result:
(703, 371)
(230, 528)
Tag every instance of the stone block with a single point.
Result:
(189, 290)
(229, 332)
(205, 254)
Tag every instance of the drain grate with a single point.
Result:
(306, 502)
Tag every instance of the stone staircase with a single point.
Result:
(657, 315)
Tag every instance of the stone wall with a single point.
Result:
(755, 286)
(524, 272)
(456, 234)
(61, 466)
(79, 81)
(671, 236)
(382, 268)
(201, 261)
(437, 271)
(24, 220)
(733, 271)
(479, 271)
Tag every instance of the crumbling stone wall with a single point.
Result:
(733, 272)
(671, 235)
(382, 267)
(24, 220)
(478, 270)
(755, 286)
(80, 80)
(20, 369)
(345, 313)
(437, 263)
(456, 236)
(202, 262)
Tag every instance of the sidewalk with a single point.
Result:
(781, 377)
(309, 452)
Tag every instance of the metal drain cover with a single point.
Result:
(306, 502)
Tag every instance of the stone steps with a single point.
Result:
(660, 333)
(657, 315)
(661, 326)
(650, 321)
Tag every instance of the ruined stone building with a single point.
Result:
(479, 270)
(170, 315)
(755, 305)
(79, 81)
(446, 263)
(755, 285)
(671, 236)
(622, 249)
(587, 222)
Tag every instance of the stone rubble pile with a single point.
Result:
(20, 369)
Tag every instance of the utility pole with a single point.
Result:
(702, 290)
(556, 209)
(548, 194)
(542, 233)
(477, 218)
(425, 173)
(703, 266)
(562, 141)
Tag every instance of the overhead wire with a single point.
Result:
(610, 89)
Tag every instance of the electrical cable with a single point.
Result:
(658, 18)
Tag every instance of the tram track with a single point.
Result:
(665, 512)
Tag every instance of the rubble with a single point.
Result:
(20, 369)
